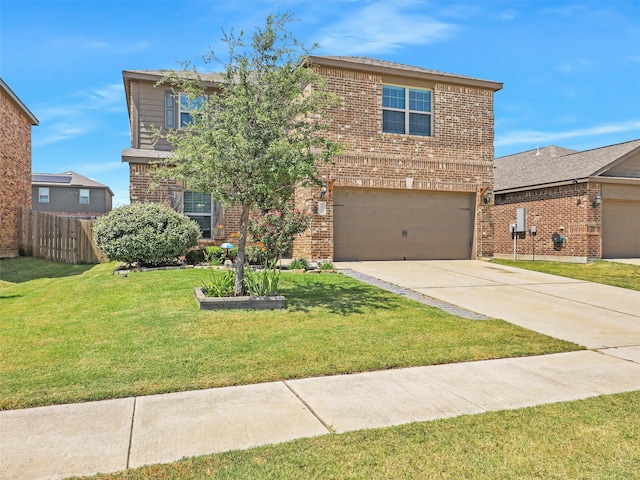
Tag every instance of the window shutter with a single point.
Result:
(169, 109)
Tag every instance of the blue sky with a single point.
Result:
(571, 69)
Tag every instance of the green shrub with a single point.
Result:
(299, 264)
(145, 233)
(326, 266)
(195, 256)
(214, 255)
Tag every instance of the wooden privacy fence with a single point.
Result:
(61, 239)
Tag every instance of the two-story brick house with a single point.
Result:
(15, 166)
(414, 179)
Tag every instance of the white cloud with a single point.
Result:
(508, 14)
(109, 98)
(58, 132)
(79, 115)
(534, 137)
(74, 45)
(382, 27)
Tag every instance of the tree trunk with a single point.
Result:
(242, 243)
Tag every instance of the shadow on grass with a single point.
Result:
(342, 295)
(25, 269)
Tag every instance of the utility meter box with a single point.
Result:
(521, 220)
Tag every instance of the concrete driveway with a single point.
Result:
(593, 315)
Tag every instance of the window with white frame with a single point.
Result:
(406, 110)
(197, 206)
(186, 107)
(43, 194)
(85, 198)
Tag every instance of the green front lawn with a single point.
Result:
(597, 438)
(70, 334)
(609, 273)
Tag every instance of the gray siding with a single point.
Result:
(151, 112)
(67, 200)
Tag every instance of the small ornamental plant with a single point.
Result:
(299, 264)
(275, 230)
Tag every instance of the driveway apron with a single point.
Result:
(593, 315)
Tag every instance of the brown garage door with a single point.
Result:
(402, 225)
(620, 229)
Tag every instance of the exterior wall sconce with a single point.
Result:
(597, 201)
(323, 190)
(486, 195)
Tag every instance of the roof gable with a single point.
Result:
(548, 165)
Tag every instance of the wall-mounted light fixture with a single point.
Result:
(486, 195)
(323, 190)
(597, 201)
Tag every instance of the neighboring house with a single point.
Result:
(588, 202)
(15, 166)
(70, 194)
(411, 184)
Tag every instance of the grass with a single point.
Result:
(587, 439)
(609, 273)
(70, 334)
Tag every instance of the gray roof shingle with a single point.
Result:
(67, 178)
(555, 164)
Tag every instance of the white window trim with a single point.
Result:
(199, 214)
(87, 196)
(407, 111)
(42, 195)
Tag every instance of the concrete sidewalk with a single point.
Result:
(82, 439)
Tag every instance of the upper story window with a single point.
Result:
(186, 106)
(43, 194)
(406, 110)
(85, 198)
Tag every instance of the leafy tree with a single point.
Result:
(261, 134)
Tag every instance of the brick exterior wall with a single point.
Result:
(566, 209)
(457, 158)
(144, 186)
(15, 168)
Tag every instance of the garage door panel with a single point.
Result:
(400, 224)
(620, 229)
